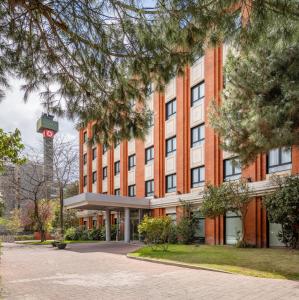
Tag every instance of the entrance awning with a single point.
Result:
(95, 201)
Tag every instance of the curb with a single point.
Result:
(175, 264)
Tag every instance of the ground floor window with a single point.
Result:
(274, 230)
(172, 216)
(233, 228)
(94, 223)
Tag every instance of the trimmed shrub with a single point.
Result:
(185, 231)
(95, 234)
(71, 234)
(156, 231)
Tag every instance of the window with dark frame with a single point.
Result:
(131, 162)
(117, 167)
(105, 172)
(94, 153)
(279, 159)
(232, 169)
(197, 135)
(149, 188)
(84, 180)
(85, 158)
(132, 190)
(94, 176)
(117, 143)
(149, 154)
(197, 93)
(85, 138)
(170, 146)
(197, 177)
(94, 223)
(170, 183)
(170, 109)
(117, 192)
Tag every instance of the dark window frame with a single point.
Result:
(131, 166)
(130, 188)
(201, 98)
(94, 153)
(105, 148)
(149, 192)
(85, 137)
(168, 153)
(200, 182)
(172, 188)
(117, 192)
(235, 175)
(105, 172)
(149, 150)
(116, 167)
(94, 176)
(200, 141)
(85, 180)
(84, 158)
(288, 165)
(172, 112)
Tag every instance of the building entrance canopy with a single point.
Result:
(95, 201)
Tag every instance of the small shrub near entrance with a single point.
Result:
(156, 231)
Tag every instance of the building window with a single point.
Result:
(117, 192)
(233, 228)
(149, 188)
(171, 183)
(151, 121)
(170, 146)
(132, 190)
(104, 149)
(197, 176)
(170, 109)
(94, 223)
(85, 180)
(94, 177)
(105, 172)
(149, 154)
(85, 138)
(279, 159)
(132, 161)
(197, 93)
(116, 167)
(94, 153)
(85, 158)
(232, 169)
(197, 135)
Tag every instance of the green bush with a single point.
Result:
(26, 237)
(173, 235)
(95, 234)
(186, 230)
(156, 231)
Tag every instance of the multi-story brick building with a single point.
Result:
(179, 155)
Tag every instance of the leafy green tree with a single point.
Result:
(10, 148)
(99, 55)
(231, 196)
(283, 208)
(260, 107)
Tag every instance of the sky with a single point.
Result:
(14, 113)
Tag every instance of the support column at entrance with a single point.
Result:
(107, 225)
(127, 225)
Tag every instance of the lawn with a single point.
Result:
(268, 263)
(49, 242)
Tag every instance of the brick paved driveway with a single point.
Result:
(102, 271)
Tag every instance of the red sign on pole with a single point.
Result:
(48, 133)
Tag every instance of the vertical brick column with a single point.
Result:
(99, 168)
(159, 145)
(99, 221)
(213, 156)
(124, 168)
(89, 222)
(89, 159)
(295, 160)
(183, 132)
(81, 221)
(81, 141)
(158, 212)
(140, 187)
(110, 175)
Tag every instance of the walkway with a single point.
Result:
(102, 271)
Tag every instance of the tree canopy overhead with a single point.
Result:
(91, 58)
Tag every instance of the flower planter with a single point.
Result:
(61, 245)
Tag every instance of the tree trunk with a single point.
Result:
(61, 210)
